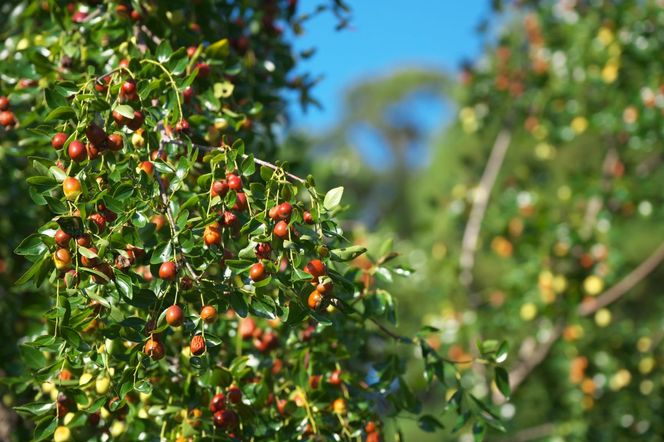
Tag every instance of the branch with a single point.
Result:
(481, 198)
(611, 295)
(244, 156)
(532, 433)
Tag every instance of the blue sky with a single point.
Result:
(384, 35)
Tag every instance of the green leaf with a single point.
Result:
(36, 408)
(45, 428)
(502, 381)
(333, 198)
(429, 423)
(125, 110)
(32, 357)
(31, 246)
(60, 113)
(163, 51)
(347, 253)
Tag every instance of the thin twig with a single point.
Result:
(244, 156)
(480, 200)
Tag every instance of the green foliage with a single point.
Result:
(165, 191)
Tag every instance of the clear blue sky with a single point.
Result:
(384, 35)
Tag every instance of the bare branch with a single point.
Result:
(480, 201)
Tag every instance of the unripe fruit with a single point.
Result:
(62, 434)
(257, 271)
(58, 140)
(76, 151)
(234, 394)
(115, 142)
(147, 167)
(315, 268)
(219, 188)
(211, 235)
(209, 314)
(218, 402)
(62, 259)
(234, 182)
(315, 300)
(174, 316)
(71, 188)
(281, 229)
(62, 238)
(137, 140)
(197, 345)
(154, 349)
(339, 406)
(102, 384)
(167, 271)
(284, 210)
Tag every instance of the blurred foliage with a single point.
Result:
(576, 207)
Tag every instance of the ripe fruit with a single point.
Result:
(370, 427)
(7, 118)
(240, 202)
(188, 93)
(234, 182)
(76, 151)
(230, 219)
(308, 218)
(324, 288)
(174, 316)
(315, 300)
(62, 238)
(93, 151)
(154, 349)
(315, 268)
(284, 210)
(167, 271)
(119, 119)
(219, 188)
(218, 402)
(211, 235)
(147, 167)
(263, 250)
(72, 188)
(225, 419)
(335, 378)
(257, 271)
(96, 135)
(281, 229)
(62, 434)
(373, 437)
(62, 259)
(99, 220)
(203, 70)
(115, 142)
(58, 140)
(182, 125)
(89, 262)
(197, 345)
(84, 240)
(274, 213)
(209, 314)
(246, 328)
(129, 87)
(234, 394)
(137, 121)
(339, 406)
(4, 103)
(159, 221)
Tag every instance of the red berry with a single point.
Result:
(263, 250)
(129, 87)
(203, 70)
(167, 271)
(284, 210)
(174, 314)
(76, 151)
(281, 229)
(137, 121)
(219, 188)
(7, 118)
(209, 314)
(315, 268)
(225, 419)
(58, 140)
(240, 202)
(191, 50)
(154, 349)
(230, 219)
(96, 135)
(115, 142)
(182, 126)
(234, 394)
(315, 300)
(257, 271)
(188, 94)
(218, 402)
(197, 345)
(308, 219)
(234, 182)
(246, 328)
(62, 238)
(4, 103)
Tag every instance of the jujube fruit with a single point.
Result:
(174, 316)
(58, 140)
(208, 314)
(257, 271)
(71, 188)
(76, 151)
(281, 229)
(197, 345)
(167, 271)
